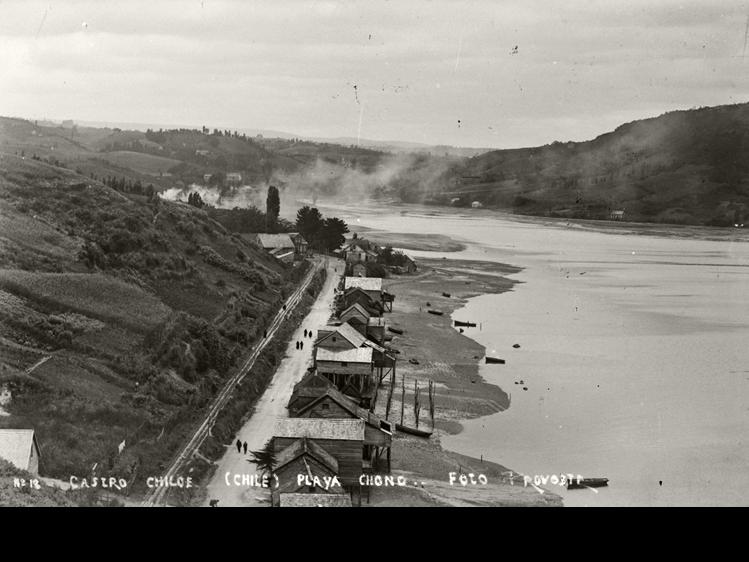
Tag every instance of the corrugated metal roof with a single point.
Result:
(358, 355)
(315, 500)
(366, 283)
(15, 446)
(276, 241)
(314, 428)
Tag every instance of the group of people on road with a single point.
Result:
(241, 446)
(307, 334)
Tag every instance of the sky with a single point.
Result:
(480, 73)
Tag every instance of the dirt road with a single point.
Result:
(272, 405)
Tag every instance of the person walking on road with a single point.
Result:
(244, 446)
(239, 446)
(301, 345)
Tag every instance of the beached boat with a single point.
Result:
(587, 483)
(395, 330)
(495, 360)
(459, 323)
(446, 295)
(412, 430)
(435, 312)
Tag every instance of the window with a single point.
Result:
(326, 406)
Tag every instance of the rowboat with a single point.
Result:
(412, 430)
(587, 483)
(495, 360)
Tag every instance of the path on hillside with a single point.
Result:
(271, 406)
(157, 496)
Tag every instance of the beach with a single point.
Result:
(451, 360)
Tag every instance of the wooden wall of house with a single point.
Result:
(287, 479)
(333, 410)
(348, 453)
(377, 333)
(336, 341)
(375, 436)
(335, 367)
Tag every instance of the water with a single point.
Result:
(634, 350)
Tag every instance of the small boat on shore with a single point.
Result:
(495, 360)
(412, 430)
(435, 312)
(446, 295)
(460, 323)
(395, 330)
(587, 483)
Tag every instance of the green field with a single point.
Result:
(92, 294)
(140, 162)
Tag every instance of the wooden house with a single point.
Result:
(375, 329)
(372, 286)
(280, 246)
(352, 371)
(342, 439)
(301, 246)
(359, 270)
(19, 448)
(304, 467)
(378, 433)
(312, 385)
(356, 315)
(358, 296)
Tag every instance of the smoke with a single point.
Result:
(220, 197)
(402, 176)
(407, 177)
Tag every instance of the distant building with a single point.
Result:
(280, 246)
(476, 205)
(234, 177)
(19, 447)
(301, 246)
(201, 152)
(616, 215)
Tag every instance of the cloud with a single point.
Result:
(419, 66)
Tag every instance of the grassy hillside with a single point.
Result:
(687, 167)
(121, 314)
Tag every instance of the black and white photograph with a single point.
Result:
(356, 254)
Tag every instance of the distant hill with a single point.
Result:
(689, 167)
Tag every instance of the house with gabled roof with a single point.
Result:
(378, 432)
(305, 467)
(19, 447)
(342, 439)
(356, 295)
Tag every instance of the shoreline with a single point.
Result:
(451, 359)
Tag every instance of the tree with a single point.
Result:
(272, 207)
(195, 200)
(309, 223)
(264, 460)
(332, 234)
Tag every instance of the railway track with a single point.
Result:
(156, 496)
